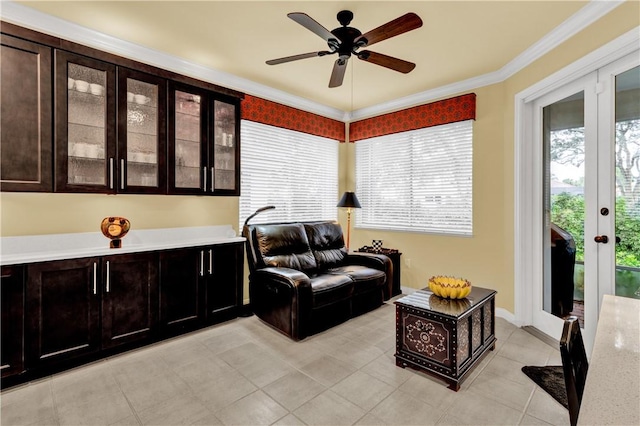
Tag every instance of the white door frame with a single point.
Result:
(541, 317)
(527, 180)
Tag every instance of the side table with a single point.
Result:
(442, 337)
(394, 255)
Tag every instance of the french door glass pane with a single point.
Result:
(142, 133)
(564, 176)
(224, 145)
(627, 160)
(188, 146)
(86, 118)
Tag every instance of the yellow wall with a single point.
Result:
(33, 214)
(486, 259)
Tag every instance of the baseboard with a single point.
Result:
(542, 336)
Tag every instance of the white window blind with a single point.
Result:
(293, 171)
(418, 181)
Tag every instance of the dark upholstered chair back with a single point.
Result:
(574, 365)
(327, 243)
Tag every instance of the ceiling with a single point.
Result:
(458, 40)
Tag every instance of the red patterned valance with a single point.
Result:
(275, 114)
(441, 112)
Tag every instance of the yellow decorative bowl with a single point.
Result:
(449, 287)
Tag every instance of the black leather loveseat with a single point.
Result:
(302, 280)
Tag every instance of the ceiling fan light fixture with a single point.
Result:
(347, 40)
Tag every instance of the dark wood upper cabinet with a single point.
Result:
(12, 337)
(142, 133)
(111, 133)
(188, 139)
(225, 161)
(62, 310)
(204, 142)
(85, 112)
(25, 116)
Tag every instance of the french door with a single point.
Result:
(587, 196)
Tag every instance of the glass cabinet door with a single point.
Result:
(142, 136)
(85, 124)
(187, 140)
(225, 147)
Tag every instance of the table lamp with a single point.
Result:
(350, 201)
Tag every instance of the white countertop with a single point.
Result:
(612, 392)
(42, 248)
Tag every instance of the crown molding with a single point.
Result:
(38, 21)
(57, 27)
(587, 15)
(580, 20)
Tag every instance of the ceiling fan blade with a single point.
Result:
(337, 75)
(312, 25)
(387, 61)
(398, 26)
(294, 58)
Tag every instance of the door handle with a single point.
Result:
(204, 179)
(202, 263)
(95, 278)
(111, 173)
(122, 173)
(210, 262)
(601, 239)
(108, 279)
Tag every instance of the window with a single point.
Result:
(420, 180)
(293, 171)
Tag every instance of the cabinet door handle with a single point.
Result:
(108, 283)
(122, 173)
(95, 278)
(213, 179)
(204, 178)
(210, 262)
(202, 263)
(111, 173)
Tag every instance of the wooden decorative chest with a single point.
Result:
(442, 337)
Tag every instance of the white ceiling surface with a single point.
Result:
(459, 40)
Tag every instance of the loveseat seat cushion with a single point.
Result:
(330, 288)
(364, 278)
(285, 246)
(327, 243)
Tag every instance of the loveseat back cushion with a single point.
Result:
(285, 246)
(327, 243)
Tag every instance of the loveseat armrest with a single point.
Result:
(284, 276)
(375, 261)
(282, 298)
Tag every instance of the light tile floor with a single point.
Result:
(244, 373)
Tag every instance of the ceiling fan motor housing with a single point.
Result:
(347, 35)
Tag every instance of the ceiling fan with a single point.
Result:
(346, 41)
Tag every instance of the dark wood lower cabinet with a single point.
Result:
(181, 294)
(224, 300)
(66, 312)
(129, 298)
(62, 310)
(11, 340)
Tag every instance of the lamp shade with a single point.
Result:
(349, 199)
